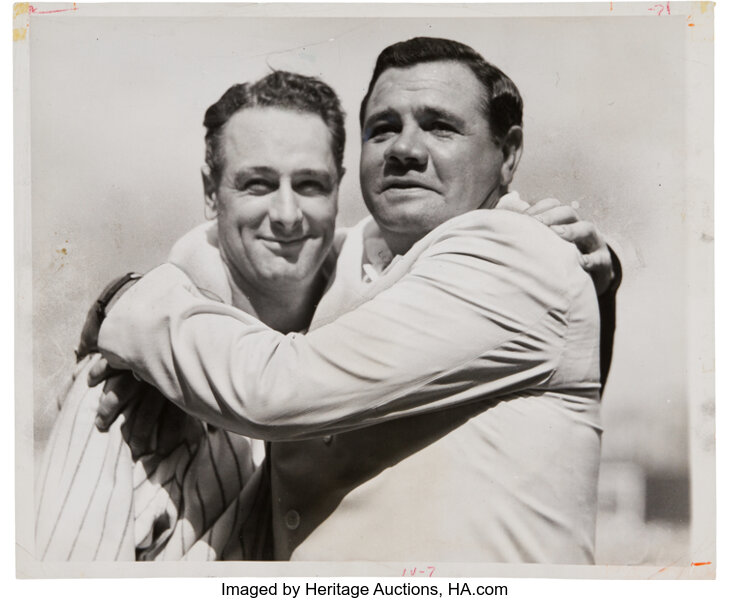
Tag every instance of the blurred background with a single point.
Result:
(117, 143)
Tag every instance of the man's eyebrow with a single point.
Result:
(244, 172)
(434, 113)
(387, 114)
(319, 173)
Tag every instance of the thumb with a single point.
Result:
(512, 202)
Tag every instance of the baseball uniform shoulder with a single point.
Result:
(197, 253)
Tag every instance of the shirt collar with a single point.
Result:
(376, 254)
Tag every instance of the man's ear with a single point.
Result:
(511, 147)
(211, 193)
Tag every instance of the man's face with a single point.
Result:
(277, 197)
(427, 152)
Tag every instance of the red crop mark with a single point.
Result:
(34, 11)
(700, 564)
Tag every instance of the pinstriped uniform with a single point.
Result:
(206, 500)
(95, 502)
(473, 360)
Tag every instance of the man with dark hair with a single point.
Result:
(280, 89)
(501, 102)
(502, 107)
(101, 496)
(451, 377)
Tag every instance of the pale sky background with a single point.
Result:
(117, 142)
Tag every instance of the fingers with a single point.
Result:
(100, 371)
(513, 203)
(582, 234)
(543, 205)
(152, 422)
(565, 222)
(559, 215)
(600, 266)
(118, 391)
(596, 260)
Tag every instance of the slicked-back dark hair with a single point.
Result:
(501, 102)
(280, 89)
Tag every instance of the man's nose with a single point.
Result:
(408, 149)
(285, 210)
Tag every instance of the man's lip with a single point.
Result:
(284, 241)
(405, 184)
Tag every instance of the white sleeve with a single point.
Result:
(481, 313)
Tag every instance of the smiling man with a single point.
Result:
(274, 151)
(451, 377)
(272, 179)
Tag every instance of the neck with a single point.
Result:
(286, 309)
(399, 243)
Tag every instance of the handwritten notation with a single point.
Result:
(659, 9)
(418, 571)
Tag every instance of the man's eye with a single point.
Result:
(257, 186)
(381, 131)
(312, 187)
(441, 128)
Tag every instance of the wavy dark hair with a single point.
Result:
(280, 89)
(501, 102)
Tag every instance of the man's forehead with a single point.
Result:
(272, 121)
(278, 139)
(441, 84)
(255, 128)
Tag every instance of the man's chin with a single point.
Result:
(406, 219)
(284, 273)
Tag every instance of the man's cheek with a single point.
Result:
(323, 217)
(370, 160)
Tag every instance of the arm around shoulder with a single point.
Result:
(478, 314)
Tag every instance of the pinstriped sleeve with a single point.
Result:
(84, 504)
(94, 502)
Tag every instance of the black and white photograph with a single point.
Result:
(365, 290)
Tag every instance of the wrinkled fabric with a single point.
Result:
(475, 356)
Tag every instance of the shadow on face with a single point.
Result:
(276, 198)
(428, 152)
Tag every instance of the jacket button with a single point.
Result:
(327, 439)
(292, 520)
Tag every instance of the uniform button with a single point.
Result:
(328, 439)
(292, 520)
